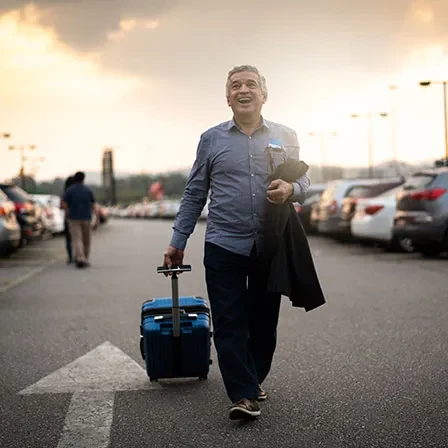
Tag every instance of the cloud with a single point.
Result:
(58, 98)
(127, 26)
(34, 61)
(87, 24)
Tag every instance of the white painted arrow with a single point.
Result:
(93, 379)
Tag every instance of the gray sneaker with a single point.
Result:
(244, 409)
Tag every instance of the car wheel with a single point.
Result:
(406, 245)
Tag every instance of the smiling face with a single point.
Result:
(245, 95)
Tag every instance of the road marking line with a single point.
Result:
(23, 278)
(93, 379)
(104, 369)
(88, 421)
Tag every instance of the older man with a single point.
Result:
(232, 161)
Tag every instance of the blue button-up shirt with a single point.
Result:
(234, 168)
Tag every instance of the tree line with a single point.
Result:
(129, 189)
(135, 187)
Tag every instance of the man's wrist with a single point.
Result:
(291, 191)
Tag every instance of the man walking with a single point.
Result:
(232, 162)
(79, 203)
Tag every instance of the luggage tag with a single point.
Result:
(276, 155)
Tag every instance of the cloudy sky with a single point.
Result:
(147, 77)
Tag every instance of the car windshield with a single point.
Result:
(418, 181)
(16, 194)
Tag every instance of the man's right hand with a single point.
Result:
(173, 257)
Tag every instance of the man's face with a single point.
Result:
(245, 96)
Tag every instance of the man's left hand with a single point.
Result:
(279, 191)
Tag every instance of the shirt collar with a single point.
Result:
(233, 125)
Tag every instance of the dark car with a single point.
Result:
(422, 211)
(9, 227)
(357, 192)
(27, 213)
(313, 196)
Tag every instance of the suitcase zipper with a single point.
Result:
(168, 311)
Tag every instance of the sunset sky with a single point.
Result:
(148, 77)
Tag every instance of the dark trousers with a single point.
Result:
(68, 240)
(245, 319)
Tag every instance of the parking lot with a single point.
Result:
(368, 369)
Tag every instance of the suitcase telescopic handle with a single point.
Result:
(174, 270)
(177, 269)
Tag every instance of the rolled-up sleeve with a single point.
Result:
(302, 184)
(194, 197)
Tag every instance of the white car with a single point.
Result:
(53, 216)
(374, 219)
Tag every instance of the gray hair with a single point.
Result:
(247, 68)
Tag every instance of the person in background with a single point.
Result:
(231, 162)
(80, 205)
(68, 238)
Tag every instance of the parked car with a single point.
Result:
(356, 193)
(374, 221)
(9, 227)
(27, 213)
(305, 210)
(53, 215)
(327, 213)
(422, 211)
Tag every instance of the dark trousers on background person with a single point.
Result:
(245, 319)
(81, 233)
(68, 241)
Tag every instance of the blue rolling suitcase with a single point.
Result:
(175, 336)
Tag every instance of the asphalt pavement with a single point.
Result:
(367, 370)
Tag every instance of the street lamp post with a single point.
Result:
(323, 149)
(369, 117)
(393, 89)
(445, 108)
(22, 149)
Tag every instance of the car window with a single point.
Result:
(382, 187)
(418, 181)
(16, 194)
(358, 191)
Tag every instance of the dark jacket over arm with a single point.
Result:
(286, 257)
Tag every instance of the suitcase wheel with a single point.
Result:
(202, 378)
(153, 380)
